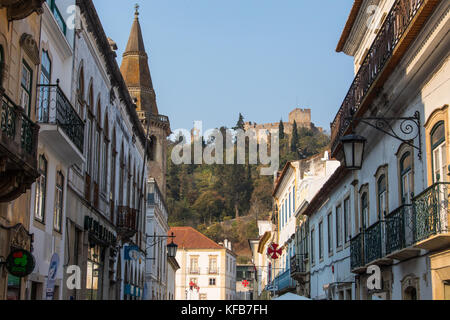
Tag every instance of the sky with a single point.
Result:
(211, 60)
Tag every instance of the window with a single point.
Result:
(321, 240)
(347, 222)
(194, 265)
(46, 67)
(330, 232)
(285, 211)
(26, 85)
(293, 198)
(439, 153)
(406, 178)
(290, 199)
(313, 253)
(212, 265)
(59, 202)
(212, 282)
(2, 64)
(339, 226)
(105, 153)
(365, 210)
(382, 196)
(94, 272)
(80, 92)
(41, 190)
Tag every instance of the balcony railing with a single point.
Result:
(18, 140)
(374, 240)
(154, 117)
(385, 44)
(400, 229)
(213, 270)
(298, 264)
(126, 221)
(356, 252)
(55, 108)
(193, 270)
(284, 281)
(431, 212)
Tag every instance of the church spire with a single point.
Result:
(135, 69)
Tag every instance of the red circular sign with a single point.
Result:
(274, 251)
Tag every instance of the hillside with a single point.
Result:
(225, 201)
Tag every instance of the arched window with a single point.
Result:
(382, 196)
(97, 143)
(439, 153)
(105, 153)
(2, 64)
(121, 174)
(365, 210)
(80, 92)
(90, 127)
(406, 177)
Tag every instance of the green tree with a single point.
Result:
(281, 129)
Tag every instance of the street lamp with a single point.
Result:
(353, 151)
(172, 248)
(407, 130)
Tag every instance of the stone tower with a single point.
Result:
(136, 73)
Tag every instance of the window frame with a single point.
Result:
(29, 90)
(41, 187)
(59, 202)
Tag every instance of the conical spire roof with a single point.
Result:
(135, 69)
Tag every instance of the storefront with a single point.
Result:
(16, 261)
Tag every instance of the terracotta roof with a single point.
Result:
(349, 25)
(189, 238)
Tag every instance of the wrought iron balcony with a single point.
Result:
(126, 222)
(374, 244)
(398, 31)
(357, 253)
(431, 217)
(213, 270)
(400, 233)
(299, 267)
(193, 270)
(18, 147)
(157, 119)
(55, 111)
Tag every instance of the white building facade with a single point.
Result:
(207, 269)
(398, 199)
(60, 147)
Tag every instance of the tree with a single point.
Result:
(281, 129)
(294, 138)
(240, 124)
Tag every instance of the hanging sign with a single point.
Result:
(20, 263)
(274, 251)
(51, 279)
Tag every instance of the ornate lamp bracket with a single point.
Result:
(406, 132)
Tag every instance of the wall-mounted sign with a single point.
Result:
(20, 263)
(99, 231)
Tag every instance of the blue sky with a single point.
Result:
(212, 59)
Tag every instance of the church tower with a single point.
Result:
(136, 73)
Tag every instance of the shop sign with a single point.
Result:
(20, 263)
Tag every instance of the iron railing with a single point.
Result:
(126, 218)
(14, 121)
(431, 211)
(298, 264)
(399, 229)
(356, 251)
(382, 49)
(213, 270)
(154, 117)
(55, 108)
(373, 242)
